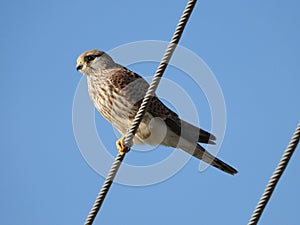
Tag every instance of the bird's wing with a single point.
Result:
(123, 77)
(133, 87)
(130, 86)
(178, 126)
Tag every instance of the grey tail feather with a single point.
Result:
(204, 155)
(206, 137)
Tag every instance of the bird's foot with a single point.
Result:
(121, 146)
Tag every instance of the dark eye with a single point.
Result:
(90, 58)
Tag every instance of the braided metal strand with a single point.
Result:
(151, 90)
(105, 187)
(159, 72)
(275, 177)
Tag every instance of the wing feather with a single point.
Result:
(134, 88)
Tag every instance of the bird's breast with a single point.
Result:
(112, 103)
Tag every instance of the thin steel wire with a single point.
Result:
(275, 177)
(159, 72)
(104, 190)
(138, 118)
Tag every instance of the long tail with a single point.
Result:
(204, 155)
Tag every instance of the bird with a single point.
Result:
(117, 93)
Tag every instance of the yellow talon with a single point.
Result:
(121, 147)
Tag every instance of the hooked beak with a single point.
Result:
(79, 66)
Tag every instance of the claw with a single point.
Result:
(121, 147)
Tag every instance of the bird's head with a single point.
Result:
(94, 61)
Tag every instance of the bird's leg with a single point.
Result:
(121, 146)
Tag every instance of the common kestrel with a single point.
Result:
(117, 93)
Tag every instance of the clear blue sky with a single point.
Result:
(251, 46)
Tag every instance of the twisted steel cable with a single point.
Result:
(275, 177)
(145, 103)
(159, 72)
(104, 190)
